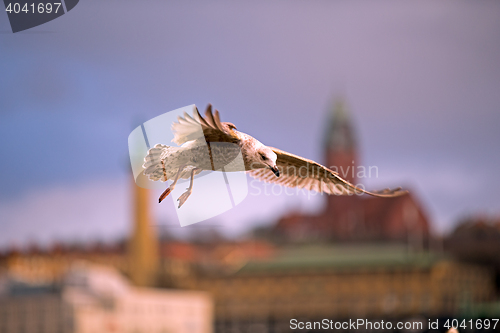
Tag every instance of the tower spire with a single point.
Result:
(340, 135)
(340, 142)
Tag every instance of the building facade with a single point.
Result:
(98, 299)
(341, 283)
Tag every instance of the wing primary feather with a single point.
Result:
(200, 118)
(189, 119)
(209, 116)
(217, 120)
(387, 193)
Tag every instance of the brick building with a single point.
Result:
(359, 218)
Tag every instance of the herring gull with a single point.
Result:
(206, 143)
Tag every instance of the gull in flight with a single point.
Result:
(206, 143)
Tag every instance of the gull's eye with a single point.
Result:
(263, 156)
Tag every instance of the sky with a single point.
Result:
(421, 79)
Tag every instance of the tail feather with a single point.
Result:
(153, 166)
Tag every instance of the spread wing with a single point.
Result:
(188, 128)
(296, 171)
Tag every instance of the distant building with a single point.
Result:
(311, 283)
(98, 299)
(36, 266)
(358, 218)
(477, 240)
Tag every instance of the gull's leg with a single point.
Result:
(182, 199)
(172, 186)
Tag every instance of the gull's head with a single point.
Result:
(267, 157)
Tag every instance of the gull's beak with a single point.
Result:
(275, 170)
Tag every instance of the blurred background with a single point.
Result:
(406, 89)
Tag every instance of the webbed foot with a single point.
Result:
(182, 199)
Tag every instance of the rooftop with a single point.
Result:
(340, 257)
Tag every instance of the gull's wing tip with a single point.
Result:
(388, 193)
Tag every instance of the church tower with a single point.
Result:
(143, 245)
(341, 156)
(340, 143)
